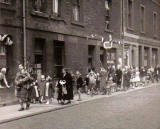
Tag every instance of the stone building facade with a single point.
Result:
(68, 33)
(141, 32)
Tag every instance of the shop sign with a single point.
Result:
(107, 44)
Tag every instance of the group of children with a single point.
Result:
(42, 91)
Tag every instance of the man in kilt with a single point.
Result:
(22, 82)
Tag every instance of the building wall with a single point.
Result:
(76, 36)
(139, 40)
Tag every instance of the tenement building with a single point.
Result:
(141, 32)
(49, 35)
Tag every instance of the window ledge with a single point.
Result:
(77, 23)
(40, 14)
(56, 18)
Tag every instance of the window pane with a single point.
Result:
(76, 13)
(142, 18)
(130, 13)
(55, 6)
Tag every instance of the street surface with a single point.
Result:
(135, 110)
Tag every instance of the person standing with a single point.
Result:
(22, 82)
(61, 86)
(3, 80)
(42, 85)
(118, 77)
(92, 81)
(79, 84)
(69, 85)
(49, 90)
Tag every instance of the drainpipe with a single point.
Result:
(24, 34)
(122, 37)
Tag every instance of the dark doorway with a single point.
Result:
(39, 53)
(91, 49)
(59, 57)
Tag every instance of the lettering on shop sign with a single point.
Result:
(60, 37)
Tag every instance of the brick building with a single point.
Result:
(141, 32)
(68, 33)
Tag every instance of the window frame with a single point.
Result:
(58, 13)
(78, 5)
(155, 23)
(142, 25)
(132, 15)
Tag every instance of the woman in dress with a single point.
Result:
(137, 77)
(49, 90)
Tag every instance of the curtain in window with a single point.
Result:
(75, 13)
(55, 6)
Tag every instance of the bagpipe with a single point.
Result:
(24, 79)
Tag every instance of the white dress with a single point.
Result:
(137, 78)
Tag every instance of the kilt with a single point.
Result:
(22, 93)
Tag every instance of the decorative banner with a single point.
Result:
(107, 44)
(7, 39)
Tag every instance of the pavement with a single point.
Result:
(11, 113)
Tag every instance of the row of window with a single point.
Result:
(130, 16)
(41, 6)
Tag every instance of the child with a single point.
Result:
(35, 92)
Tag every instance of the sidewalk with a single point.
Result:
(10, 113)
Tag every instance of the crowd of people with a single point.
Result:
(103, 81)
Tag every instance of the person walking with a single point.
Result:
(22, 82)
(79, 82)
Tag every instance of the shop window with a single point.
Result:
(40, 5)
(76, 10)
(57, 7)
(130, 13)
(154, 57)
(146, 51)
(59, 57)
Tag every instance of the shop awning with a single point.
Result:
(6, 39)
